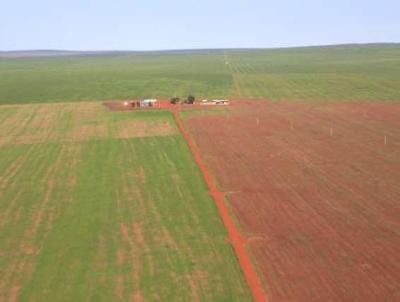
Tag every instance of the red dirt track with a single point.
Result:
(234, 237)
(315, 190)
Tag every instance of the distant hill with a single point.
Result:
(64, 53)
(56, 53)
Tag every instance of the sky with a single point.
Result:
(187, 24)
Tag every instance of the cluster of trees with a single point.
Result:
(189, 100)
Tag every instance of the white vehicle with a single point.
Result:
(221, 102)
(214, 102)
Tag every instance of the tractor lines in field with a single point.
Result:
(234, 237)
(6, 182)
(234, 77)
(253, 88)
(262, 87)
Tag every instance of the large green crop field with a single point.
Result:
(106, 206)
(318, 73)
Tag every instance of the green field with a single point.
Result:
(106, 206)
(319, 73)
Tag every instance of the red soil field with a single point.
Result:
(234, 237)
(315, 191)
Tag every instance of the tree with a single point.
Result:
(175, 100)
(191, 99)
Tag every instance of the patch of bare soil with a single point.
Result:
(14, 294)
(137, 296)
(197, 280)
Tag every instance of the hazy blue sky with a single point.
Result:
(163, 24)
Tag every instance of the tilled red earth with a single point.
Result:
(316, 191)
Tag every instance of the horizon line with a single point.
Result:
(193, 49)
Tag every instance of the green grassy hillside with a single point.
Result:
(317, 73)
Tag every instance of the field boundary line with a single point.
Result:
(237, 86)
(235, 239)
(233, 74)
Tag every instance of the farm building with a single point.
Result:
(148, 103)
(145, 103)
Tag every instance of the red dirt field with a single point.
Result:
(315, 191)
(234, 237)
